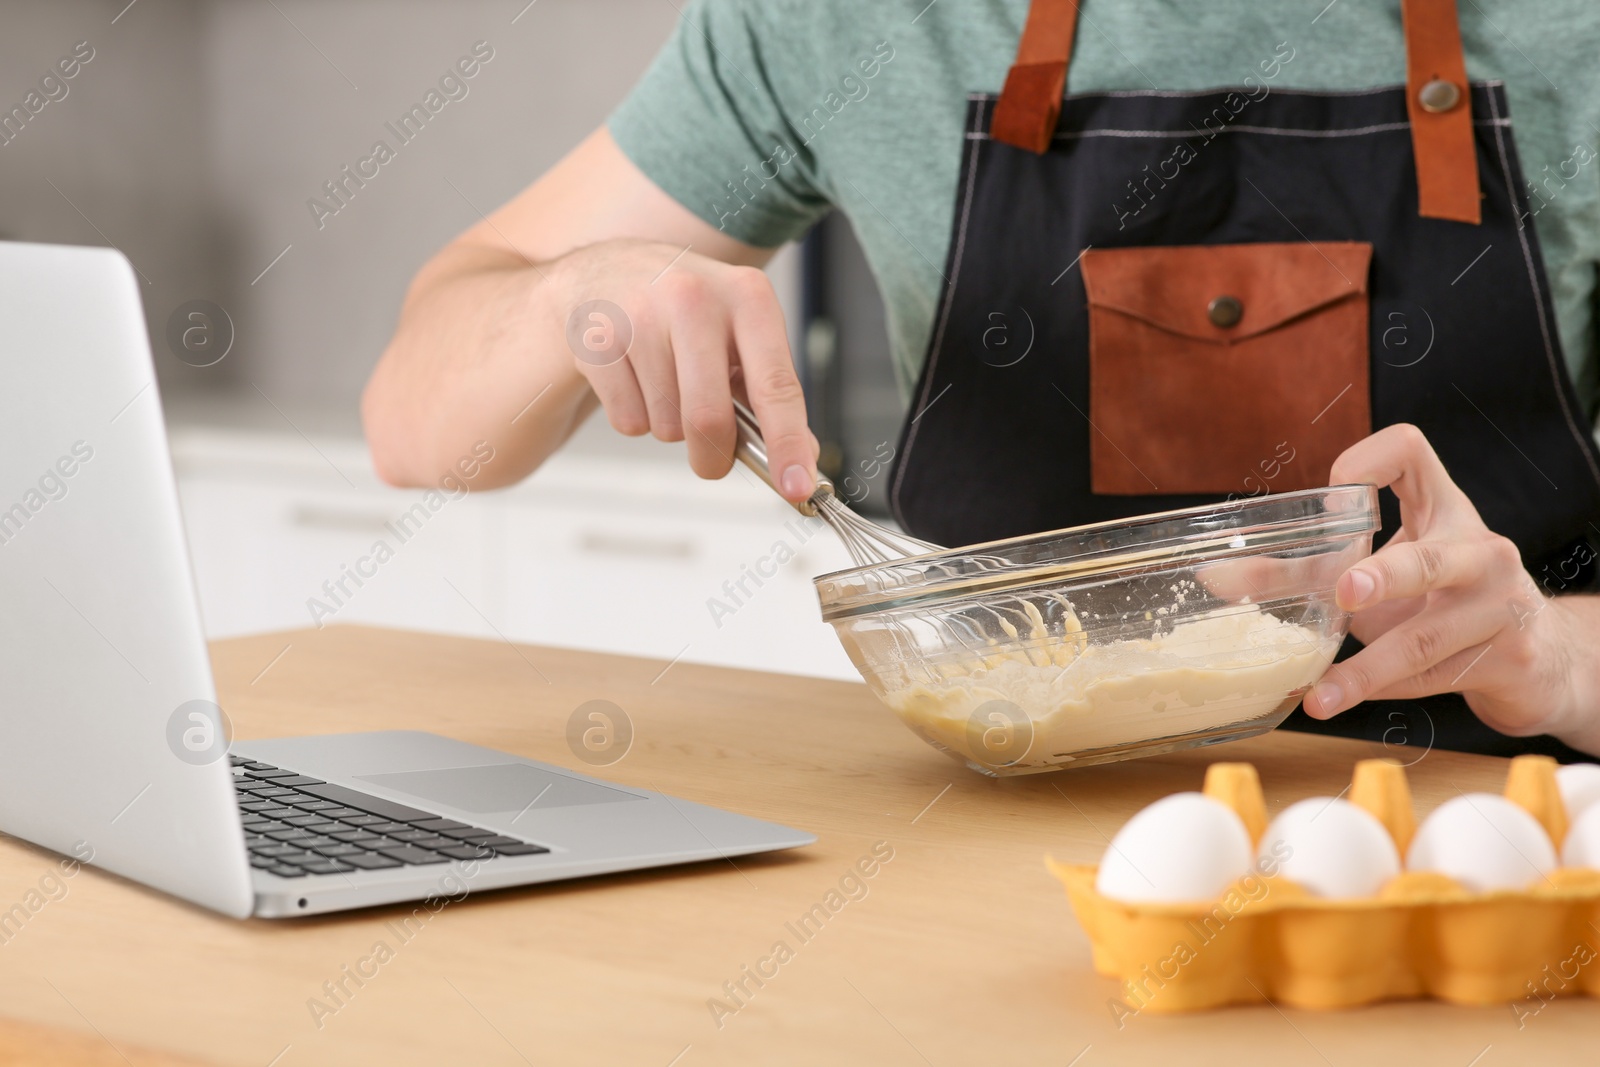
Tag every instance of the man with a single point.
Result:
(1258, 250)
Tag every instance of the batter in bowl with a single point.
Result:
(1030, 706)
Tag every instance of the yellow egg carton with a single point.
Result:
(1423, 935)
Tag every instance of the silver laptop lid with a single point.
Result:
(110, 747)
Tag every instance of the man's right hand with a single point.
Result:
(693, 333)
(501, 339)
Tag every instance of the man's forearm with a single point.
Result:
(483, 334)
(476, 345)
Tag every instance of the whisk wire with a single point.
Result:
(867, 542)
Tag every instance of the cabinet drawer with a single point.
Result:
(268, 556)
(735, 592)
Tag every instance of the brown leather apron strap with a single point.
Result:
(1030, 103)
(1439, 104)
(1437, 98)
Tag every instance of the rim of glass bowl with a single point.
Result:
(1123, 547)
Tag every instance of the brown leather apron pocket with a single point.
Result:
(1225, 368)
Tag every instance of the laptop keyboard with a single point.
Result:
(296, 825)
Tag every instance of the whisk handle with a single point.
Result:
(751, 450)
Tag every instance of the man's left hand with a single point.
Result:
(1447, 606)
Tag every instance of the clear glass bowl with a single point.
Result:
(1106, 642)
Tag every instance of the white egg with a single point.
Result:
(1580, 786)
(1331, 847)
(1582, 846)
(1181, 848)
(1484, 842)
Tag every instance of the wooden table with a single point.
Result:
(961, 951)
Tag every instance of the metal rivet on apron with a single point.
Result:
(1225, 311)
(1439, 95)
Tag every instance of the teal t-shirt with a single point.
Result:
(760, 115)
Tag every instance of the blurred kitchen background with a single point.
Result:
(192, 140)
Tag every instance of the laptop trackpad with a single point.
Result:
(501, 787)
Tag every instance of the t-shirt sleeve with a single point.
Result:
(707, 125)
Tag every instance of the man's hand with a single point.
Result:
(512, 335)
(697, 330)
(1446, 606)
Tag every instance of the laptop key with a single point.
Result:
(468, 833)
(333, 811)
(298, 780)
(523, 849)
(325, 808)
(298, 857)
(340, 849)
(370, 861)
(388, 827)
(440, 825)
(431, 843)
(301, 805)
(466, 852)
(268, 772)
(311, 819)
(276, 849)
(413, 835)
(286, 872)
(262, 861)
(326, 867)
(309, 854)
(496, 842)
(364, 820)
(302, 839)
(293, 833)
(354, 836)
(415, 857)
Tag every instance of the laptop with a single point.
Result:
(112, 748)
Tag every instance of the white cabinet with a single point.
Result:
(612, 554)
(733, 590)
(270, 555)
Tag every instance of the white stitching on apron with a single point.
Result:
(978, 122)
(1584, 437)
(1222, 90)
(1282, 131)
(1276, 131)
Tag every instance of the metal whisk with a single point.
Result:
(930, 646)
(867, 542)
